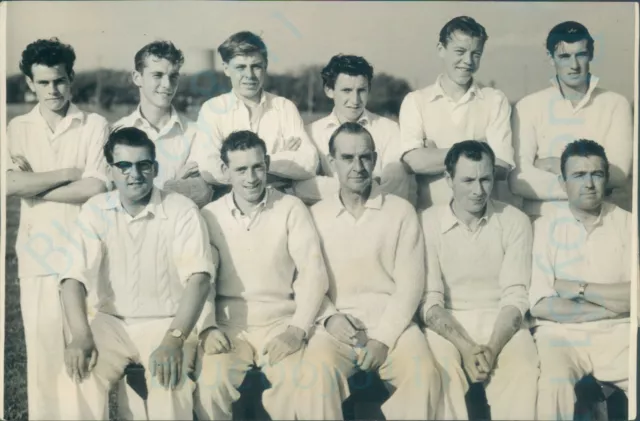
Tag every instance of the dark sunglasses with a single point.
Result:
(145, 166)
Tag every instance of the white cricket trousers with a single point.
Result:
(567, 354)
(409, 369)
(512, 386)
(118, 345)
(43, 330)
(219, 376)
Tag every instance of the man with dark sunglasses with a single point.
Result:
(144, 255)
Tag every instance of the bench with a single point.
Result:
(596, 401)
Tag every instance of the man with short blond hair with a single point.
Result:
(187, 159)
(455, 108)
(273, 118)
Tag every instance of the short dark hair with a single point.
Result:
(584, 148)
(464, 24)
(569, 32)
(347, 64)
(241, 44)
(472, 149)
(161, 49)
(241, 140)
(47, 52)
(351, 128)
(128, 136)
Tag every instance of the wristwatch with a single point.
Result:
(176, 333)
(582, 288)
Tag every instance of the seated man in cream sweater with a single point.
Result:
(478, 274)
(374, 251)
(144, 255)
(270, 287)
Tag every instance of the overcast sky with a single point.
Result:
(396, 37)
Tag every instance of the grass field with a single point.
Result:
(15, 392)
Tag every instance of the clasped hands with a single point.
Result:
(478, 362)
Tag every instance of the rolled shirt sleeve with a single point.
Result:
(302, 163)
(527, 180)
(204, 153)
(212, 137)
(619, 142)
(434, 287)
(12, 148)
(542, 268)
(191, 248)
(499, 135)
(96, 164)
(515, 273)
(85, 248)
(311, 283)
(412, 134)
(408, 275)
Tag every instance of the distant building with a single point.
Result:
(199, 60)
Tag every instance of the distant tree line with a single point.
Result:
(107, 88)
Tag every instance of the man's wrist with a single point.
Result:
(82, 333)
(298, 332)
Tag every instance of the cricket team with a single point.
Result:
(470, 243)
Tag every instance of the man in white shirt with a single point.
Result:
(269, 290)
(273, 118)
(374, 251)
(581, 284)
(478, 274)
(55, 165)
(186, 157)
(453, 109)
(573, 107)
(144, 255)
(347, 82)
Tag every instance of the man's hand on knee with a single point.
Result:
(165, 363)
(80, 357)
(347, 329)
(215, 341)
(372, 355)
(283, 345)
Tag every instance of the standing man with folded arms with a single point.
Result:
(573, 107)
(185, 155)
(347, 81)
(375, 258)
(478, 274)
(273, 118)
(270, 287)
(55, 164)
(453, 109)
(144, 254)
(581, 284)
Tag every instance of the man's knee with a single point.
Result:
(216, 371)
